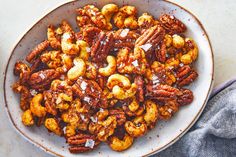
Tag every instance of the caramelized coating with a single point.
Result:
(109, 80)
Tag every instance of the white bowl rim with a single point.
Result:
(148, 154)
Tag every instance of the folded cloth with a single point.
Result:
(214, 134)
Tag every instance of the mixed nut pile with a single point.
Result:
(111, 81)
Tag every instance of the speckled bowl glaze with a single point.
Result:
(165, 133)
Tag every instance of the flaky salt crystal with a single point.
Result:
(146, 47)
(89, 143)
(88, 49)
(33, 92)
(62, 77)
(169, 110)
(172, 17)
(124, 32)
(181, 64)
(87, 99)
(83, 85)
(58, 101)
(101, 110)
(64, 130)
(82, 117)
(135, 63)
(94, 119)
(66, 36)
(42, 76)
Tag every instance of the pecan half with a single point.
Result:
(88, 91)
(82, 143)
(161, 53)
(90, 34)
(138, 80)
(186, 97)
(185, 75)
(152, 36)
(171, 24)
(42, 79)
(37, 51)
(124, 38)
(162, 92)
(102, 46)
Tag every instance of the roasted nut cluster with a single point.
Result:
(110, 82)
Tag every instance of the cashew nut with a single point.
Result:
(131, 22)
(27, 118)
(192, 54)
(70, 130)
(178, 41)
(151, 114)
(122, 94)
(136, 128)
(110, 69)
(126, 17)
(78, 70)
(35, 106)
(52, 125)
(91, 71)
(117, 79)
(120, 145)
(108, 11)
(67, 45)
(84, 49)
(146, 20)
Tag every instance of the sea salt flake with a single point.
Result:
(59, 100)
(64, 130)
(94, 119)
(170, 110)
(124, 32)
(172, 17)
(135, 63)
(101, 110)
(181, 64)
(33, 92)
(83, 85)
(62, 77)
(42, 76)
(87, 99)
(82, 117)
(66, 36)
(146, 47)
(89, 143)
(88, 49)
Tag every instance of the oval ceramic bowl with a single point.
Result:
(165, 133)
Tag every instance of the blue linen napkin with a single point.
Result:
(214, 134)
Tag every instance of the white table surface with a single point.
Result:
(16, 17)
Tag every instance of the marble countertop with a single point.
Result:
(218, 17)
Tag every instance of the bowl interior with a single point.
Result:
(165, 133)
